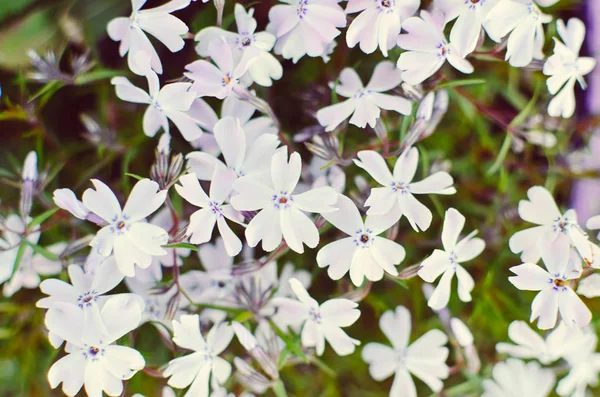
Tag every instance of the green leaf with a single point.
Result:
(42, 251)
(20, 253)
(519, 118)
(460, 83)
(38, 220)
(182, 245)
(96, 75)
(38, 30)
(47, 90)
(292, 343)
(139, 178)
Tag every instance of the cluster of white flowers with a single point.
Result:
(247, 181)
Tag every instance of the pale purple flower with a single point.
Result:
(427, 48)
(364, 104)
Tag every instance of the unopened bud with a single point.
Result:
(29, 177)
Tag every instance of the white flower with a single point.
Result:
(555, 290)
(585, 367)
(541, 209)
(282, 211)
(158, 22)
(396, 197)
(379, 23)
(530, 345)
(242, 155)
(515, 378)
(219, 81)
(175, 102)
(469, 15)
(127, 235)
(93, 360)
(427, 48)
(215, 285)
(565, 67)
(364, 253)
(32, 265)
(364, 103)
(425, 358)
(266, 67)
(322, 322)
(523, 20)
(316, 176)
(213, 210)
(447, 262)
(590, 286)
(86, 290)
(305, 27)
(204, 364)
(243, 111)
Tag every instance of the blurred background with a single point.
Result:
(496, 140)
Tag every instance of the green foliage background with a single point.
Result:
(490, 180)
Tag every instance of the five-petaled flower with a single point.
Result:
(427, 48)
(425, 358)
(203, 365)
(322, 322)
(447, 262)
(396, 197)
(364, 103)
(364, 253)
(132, 240)
(565, 67)
(213, 210)
(281, 214)
(554, 284)
(157, 21)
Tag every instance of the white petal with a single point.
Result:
(340, 312)
(396, 326)
(320, 200)
(102, 201)
(529, 277)
(572, 309)
(144, 200)
(454, 222)
(375, 165)
(346, 218)
(441, 295)
(545, 308)
(338, 256)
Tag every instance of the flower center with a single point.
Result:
(302, 10)
(226, 79)
(216, 208)
(315, 315)
(92, 352)
(363, 238)
(386, 3)
(87, 299)
(282, 200)
(562, 224)
(559, 283)
(444, 51)
(401, 187)
(120, 225)
(246, 41)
